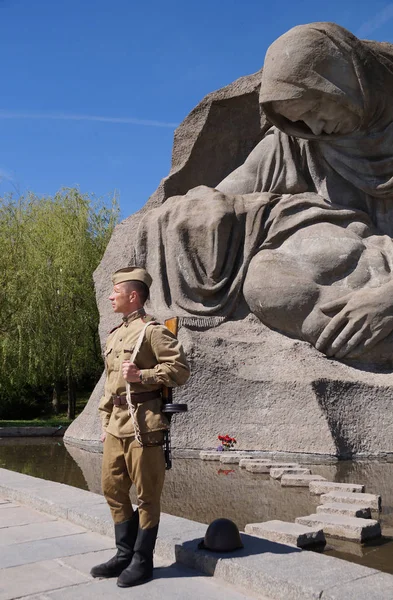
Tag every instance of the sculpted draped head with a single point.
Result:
(318, 80)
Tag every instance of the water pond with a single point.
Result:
(203, 491)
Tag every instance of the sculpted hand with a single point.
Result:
(362, 318)
(130, 371)
(103, 436)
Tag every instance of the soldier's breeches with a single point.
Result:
(125, 463)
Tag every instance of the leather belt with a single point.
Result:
(136, 398)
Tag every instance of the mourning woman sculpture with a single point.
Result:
(302, 230)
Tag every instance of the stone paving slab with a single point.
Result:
(379, 587)
(164, 570)
(249, 461)
(324, 487)
(345, 509)
(8, 504)
(43, 495)
(343, 527)
(263, 568)
(33, 531)
(300, 480)
(97, 518)
(45, 549)
(24, 580)
(278, 472)
(19, 515)
(373, 501)
(172, 582)
(229, 460)
(282, 572)
(259, 467)
(209, 455)
(69, 578)
(232, 458)
(283, 532)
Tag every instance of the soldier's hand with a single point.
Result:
(130, 372)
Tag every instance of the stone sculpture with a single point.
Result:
(274, 221)
(303, 227)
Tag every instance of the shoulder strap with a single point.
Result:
(140, 340)
(131, 407)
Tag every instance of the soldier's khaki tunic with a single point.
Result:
(162, 361)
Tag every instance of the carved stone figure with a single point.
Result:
(293, 236)
(318, 266)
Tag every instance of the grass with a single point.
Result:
(52, 421)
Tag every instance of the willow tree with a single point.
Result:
(49, 320)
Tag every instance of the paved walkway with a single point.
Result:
(49, 556)
(43, 557)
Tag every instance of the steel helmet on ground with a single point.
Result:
(222, 535)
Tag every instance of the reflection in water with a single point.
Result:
(203, 491)
(46, 458)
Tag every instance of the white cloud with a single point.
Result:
(382, 17)
(9, 114)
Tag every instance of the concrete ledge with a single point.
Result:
(58, 431)
(268, 569)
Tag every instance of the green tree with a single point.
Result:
(48, 315)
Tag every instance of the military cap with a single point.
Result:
(132, 274)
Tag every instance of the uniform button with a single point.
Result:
(121, 339)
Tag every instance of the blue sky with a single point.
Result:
(92, 90)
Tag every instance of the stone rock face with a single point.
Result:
(272, 392)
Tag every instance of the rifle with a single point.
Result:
(169, 408)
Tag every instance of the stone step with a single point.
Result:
(230, 458)
(348, 528)
(300, 480)
(257, 467)
(324, 487)
(278, 472)
(373, 501)
(347, 510)
(283, 532)
(246, 461)
(209, 455)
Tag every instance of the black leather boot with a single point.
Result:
(125, 537)
(140, 569)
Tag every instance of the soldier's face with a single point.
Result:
(122, 299)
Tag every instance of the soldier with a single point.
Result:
(147, 356)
